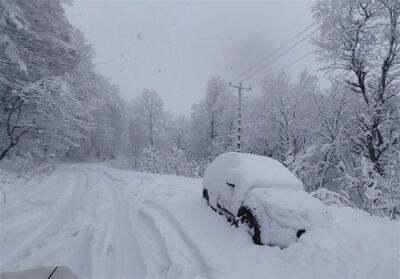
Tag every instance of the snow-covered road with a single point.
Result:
(107, 223)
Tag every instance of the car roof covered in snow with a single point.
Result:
(247, 171)
(253, 169)
(265, 171)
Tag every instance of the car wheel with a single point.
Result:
(205, 196)
(248, 219)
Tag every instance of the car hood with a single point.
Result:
(287, 207)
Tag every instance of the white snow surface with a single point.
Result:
(106, 223)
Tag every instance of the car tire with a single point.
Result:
(247, 218)
(205, 196)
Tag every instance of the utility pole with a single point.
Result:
(239, 121)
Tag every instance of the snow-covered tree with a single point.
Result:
(360, 44)
(278, 121)
(52, 101)
(212, 122)
(148, 109)
(362, 40)
(37, 50)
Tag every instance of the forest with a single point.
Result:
(56, 107)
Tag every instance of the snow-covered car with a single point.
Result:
(262, 194)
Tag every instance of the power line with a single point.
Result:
(277, 50)
(253, 73)
(250, 73)
(265, 63)
(296, 61)
(291, 64)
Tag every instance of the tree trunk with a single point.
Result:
(5, 151)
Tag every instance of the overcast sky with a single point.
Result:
(175, 47)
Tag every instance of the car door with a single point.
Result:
(227, 189)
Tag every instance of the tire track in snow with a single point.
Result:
(63, 214)
(100, 247)
(124, 258)
(151, 243)
(81, 246)
(178, 256)
(157, 259)
(187, 260)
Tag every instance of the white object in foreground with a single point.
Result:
(264, 195)
(58, 272)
